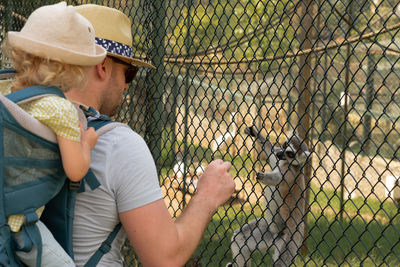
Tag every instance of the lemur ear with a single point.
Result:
(285, 144)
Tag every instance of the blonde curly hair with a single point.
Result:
(34, 70)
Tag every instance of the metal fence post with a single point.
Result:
(345, 111)
(304, 32)
(155, 124)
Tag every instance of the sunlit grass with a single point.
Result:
(368, 234)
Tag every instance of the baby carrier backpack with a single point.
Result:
(31, 175)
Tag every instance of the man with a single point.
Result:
(122, 162)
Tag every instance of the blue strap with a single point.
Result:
(33, 91)
(30, 218)
(91, 180)
(7, 255)
(104, 248)
(7, 73)
(34, 235)
(31, 236)
(28, 244)
(97, 120)
(32, 163)
(91, 114)
(2, 71)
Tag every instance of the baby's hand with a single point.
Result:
(88, 136)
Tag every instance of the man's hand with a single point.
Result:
(216, 184)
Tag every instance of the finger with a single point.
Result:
(226, 165)
(90, 129)
(217, 161)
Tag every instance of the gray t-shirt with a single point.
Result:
(126, 170)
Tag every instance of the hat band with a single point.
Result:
(115, 47)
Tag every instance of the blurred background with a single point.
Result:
(327, 69)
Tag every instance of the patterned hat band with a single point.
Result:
(115, 47)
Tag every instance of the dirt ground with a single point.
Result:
(363, 176)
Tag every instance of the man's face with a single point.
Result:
(113, 94)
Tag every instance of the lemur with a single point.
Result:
(282, 227)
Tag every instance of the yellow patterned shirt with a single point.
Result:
(5, 86)
(58, 114)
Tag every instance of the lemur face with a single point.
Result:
(294, 151)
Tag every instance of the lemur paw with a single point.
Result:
(251, 130)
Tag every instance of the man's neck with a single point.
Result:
(78, 97)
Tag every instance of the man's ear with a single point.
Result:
(101, 69)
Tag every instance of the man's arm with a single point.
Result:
(158, 240)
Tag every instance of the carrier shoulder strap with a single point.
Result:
(7, 73)
(104, 248)
(102, 124)
(34, 92)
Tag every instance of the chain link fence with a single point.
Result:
(326, 70)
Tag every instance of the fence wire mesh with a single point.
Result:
(325, 70)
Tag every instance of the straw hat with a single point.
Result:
(58, 32)
(113, 32)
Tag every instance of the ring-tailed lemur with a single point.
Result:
(282, 227)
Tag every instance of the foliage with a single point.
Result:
(243, 29)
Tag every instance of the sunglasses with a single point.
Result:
(130, 72)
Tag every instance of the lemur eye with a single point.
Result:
(290, 154)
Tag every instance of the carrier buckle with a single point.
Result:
(105, 247)
(75, 185)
